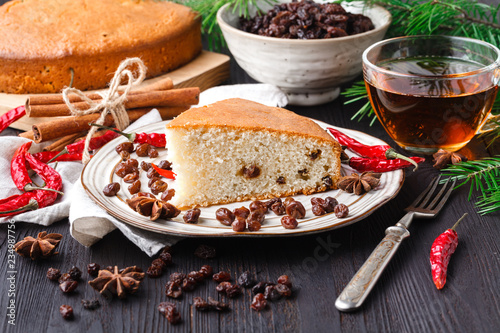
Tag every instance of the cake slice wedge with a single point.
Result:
(237, 150)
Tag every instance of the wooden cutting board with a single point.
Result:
(207, 70)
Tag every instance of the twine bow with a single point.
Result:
(112, 101)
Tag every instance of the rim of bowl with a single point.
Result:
(224, 25)
(488, 68)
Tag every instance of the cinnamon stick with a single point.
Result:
(173, 97)
(163, 84)
(68, 125)
(62, 142)
(27, 135)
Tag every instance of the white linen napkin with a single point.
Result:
(89, 223)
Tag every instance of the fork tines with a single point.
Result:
(422, 202)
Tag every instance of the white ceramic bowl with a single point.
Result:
(309, 71)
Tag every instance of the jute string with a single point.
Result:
(112, 102)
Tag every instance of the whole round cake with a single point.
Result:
(44, 41)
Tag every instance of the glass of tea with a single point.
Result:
(432, 92)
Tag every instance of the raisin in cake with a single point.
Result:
(43, 40)
(237, 150)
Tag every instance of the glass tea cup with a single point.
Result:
(432, 92)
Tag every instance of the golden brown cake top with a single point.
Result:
(236, 113)
(33, 29)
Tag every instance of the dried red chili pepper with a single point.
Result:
(18, 169)
(165, 173)
(52, 156)
(441, 250)
(154, 139)
(11, 116)
(378, 151)
(379, 165)
(79, 146)
(38, 198)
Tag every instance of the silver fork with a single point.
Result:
(427, 205)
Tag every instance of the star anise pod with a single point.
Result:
(43, 246)
(442, 158)
(152, 207)
(117, 282)
(359, 184)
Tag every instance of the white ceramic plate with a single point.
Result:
(100, 171)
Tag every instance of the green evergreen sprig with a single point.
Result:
(483, 176)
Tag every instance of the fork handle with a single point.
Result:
(356, 291)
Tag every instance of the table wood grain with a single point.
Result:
(320, 265)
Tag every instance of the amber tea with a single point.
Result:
(443, 115)
(426, 101)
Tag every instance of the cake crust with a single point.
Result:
(242, 114)
(43, 39)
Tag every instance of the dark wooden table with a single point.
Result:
(404, 300)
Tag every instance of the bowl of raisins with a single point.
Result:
(308, 49)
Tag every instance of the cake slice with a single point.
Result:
(236, 150)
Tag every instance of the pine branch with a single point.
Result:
(483, 176)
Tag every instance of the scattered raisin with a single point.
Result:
(152, 180)
(64, 277)
(111, 189)
(177, 277)
(132, 164)
(207, 271)
(260, 287)
(168, 194)
(122, 170)
(159, 186)
(278, 208)
(197, 276)
(250, 171)
(154, 271)
(169, 310)
(152, 152)
(330, 204)
(90, 304)
(152, 173)
(239, 225)
(281, 180)
(200, 304)
(271, 202)
(296, 210)
(192, 215)
(131, 177)
(284, 279)
(53, 274)
(255, 216)
(318, 210)
(315, 154)
(259, 302)
(258, 205)
(159, 263)
(165, 165)
(173, 289)
(288, 201)
(75, 273)
(341, 211)
(254, 226)
(303, 172)
(145, 166)
(142, 150)
(125, 146)
(205, 251)
(125, 155)
(289, 222)
(233, 291)
(166, 258)
(216, 305)
(271, 294)
(221, 276)
(188, 284)
(93, 269)
(222, 287)
(135, 187)
(68, 286)
(246, 280)
(241, 213)
(283, 290)
(66, 311)
(224, 216)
